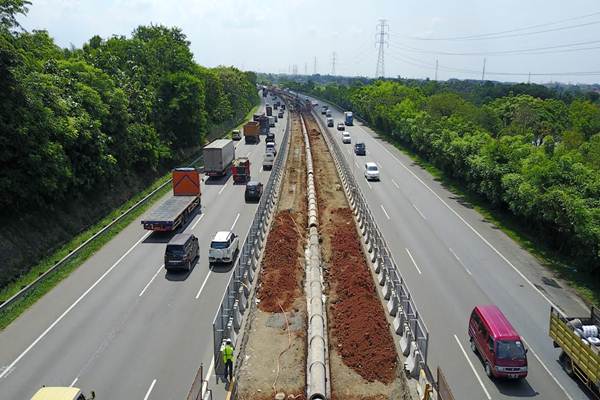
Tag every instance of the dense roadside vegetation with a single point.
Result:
(534, 156)
(82, 130)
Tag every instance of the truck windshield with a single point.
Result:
(218, 245)
(510, 350)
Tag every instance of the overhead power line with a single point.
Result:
(499, 34)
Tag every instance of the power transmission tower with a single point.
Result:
(333, 63)
(436, 68)
(381, 40)
(315, 67)
(483, 72)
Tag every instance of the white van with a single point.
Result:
(61, 393)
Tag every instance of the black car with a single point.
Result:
(181, 252)
(270, 137)
(254, 190)
(360, 149)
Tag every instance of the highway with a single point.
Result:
(122, 326)
(453, 260)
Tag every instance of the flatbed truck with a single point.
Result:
(176, 210)
(579, 358)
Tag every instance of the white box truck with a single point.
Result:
(218, 157)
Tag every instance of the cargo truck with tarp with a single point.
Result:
(176, 210)
(218, 157)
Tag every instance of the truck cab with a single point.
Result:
(61, 393)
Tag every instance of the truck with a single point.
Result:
(269, 110)
(268, 160)
(240, 170)
(218, 157)
(577, 337)
(264, 124)
(251, 132)
(176, 210)
(271, 122)
(348, 118)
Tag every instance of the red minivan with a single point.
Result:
(498, 343)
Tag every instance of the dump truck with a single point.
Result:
(176, 210)
(348, 118)
(240, 170)
(251, 132)
(578, 339)
(269, 110)
(218, 157)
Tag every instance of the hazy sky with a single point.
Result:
(272, 36)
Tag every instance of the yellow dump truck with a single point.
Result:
(580, 344)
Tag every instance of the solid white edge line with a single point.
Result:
(208, 375)
(460, 261)
(150, 390)
(419, 211)
(203, 284)
(151, 280)
(196, 223)
(487, 394)
(74, 382)
(36, 341)
(369, 185)
(235, 222)
(385, 212)
(547, 370)
(471, 228)
(395, 184)
(413, 261)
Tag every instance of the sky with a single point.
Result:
(273, 36)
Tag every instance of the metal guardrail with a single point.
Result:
(235, 301)
(400, 303)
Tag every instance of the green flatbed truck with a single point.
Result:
(579, 359)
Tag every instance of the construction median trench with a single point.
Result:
(362, 362)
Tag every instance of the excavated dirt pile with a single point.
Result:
(279, 277)
(358, 323)
(362, 356)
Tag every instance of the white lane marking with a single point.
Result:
(473, 368)
(419, 211)
(203, 284)
(385, 212)
(395, 184)
(74, 382)
(150, 390)
(413, 261)
(196, 223)
(248, 155)
(355, 163)
(460, 261)
(538, 291)
(208, 375)
(349, 152)
(547, 370)
(68, 310)
(151, 280)
(223, 188)
(370, 187)
(235, 222)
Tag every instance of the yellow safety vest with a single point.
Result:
(227, 353)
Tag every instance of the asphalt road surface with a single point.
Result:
(121, 325)
(453, 260)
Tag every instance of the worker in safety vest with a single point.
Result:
(228, 359)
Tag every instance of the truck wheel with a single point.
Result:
(488, 370)
(567, 364)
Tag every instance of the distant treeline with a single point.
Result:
(532, 154)
(73, 120)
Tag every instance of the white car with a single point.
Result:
(223, 247)
(346, 138)
(371, 171)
